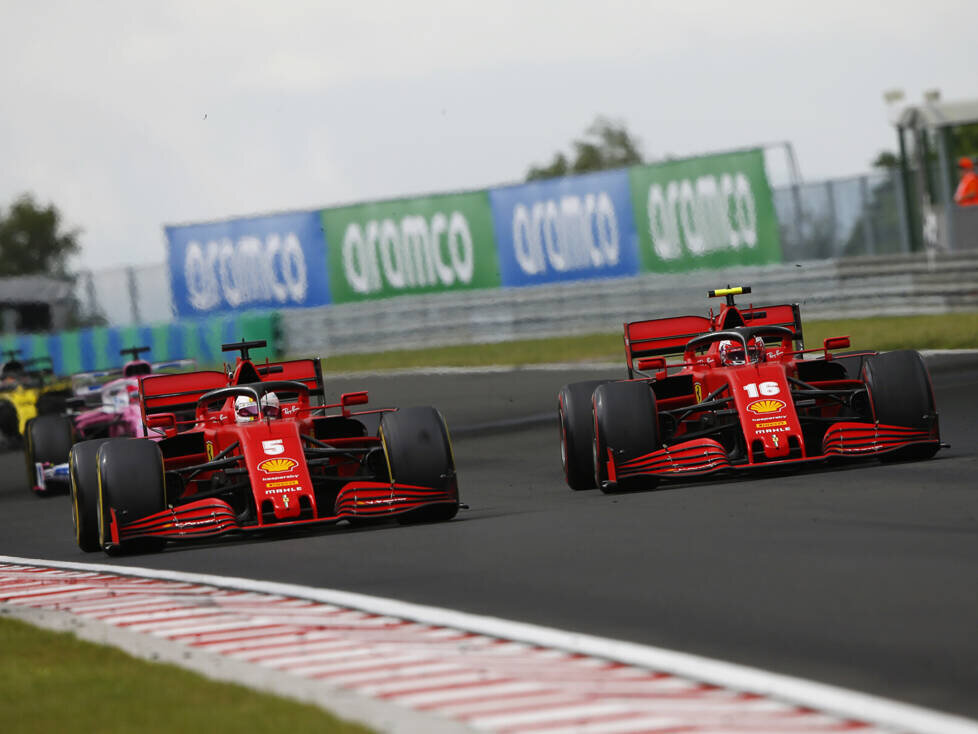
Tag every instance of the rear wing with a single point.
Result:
(661, 337)
(177, 393)
(668, 337)
(306, 371)
(787, 315)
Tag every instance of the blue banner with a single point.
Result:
(571, 228)
(259, 262)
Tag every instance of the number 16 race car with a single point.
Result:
(745, 395)
(255, 449)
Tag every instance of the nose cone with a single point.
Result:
(285, 505)
(775, 445)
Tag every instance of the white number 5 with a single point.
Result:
(273, 447)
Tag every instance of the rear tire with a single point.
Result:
(574, 409)
(627, 424)
(9, 422)
(131, 483)
(901, 395)
(419, 452)
(83, 472)
(52, 403)
(47, 439)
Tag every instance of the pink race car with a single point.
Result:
(99, 409)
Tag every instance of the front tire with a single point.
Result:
(131, 484)
(901, 395)
(627, 425)
(419, 452)
(47, 439)
(83, 473)
(574, 402)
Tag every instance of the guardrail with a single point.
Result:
(851, 287)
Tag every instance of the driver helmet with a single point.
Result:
(270, 406)
(732, 352)
(245, 409)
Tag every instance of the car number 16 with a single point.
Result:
(755, 390)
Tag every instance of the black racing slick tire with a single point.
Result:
(83, 473)
(574, 409)
(626, 424)
(47, 439)
(131, 485)
(419, 452)
(9, 422)
(901, 395)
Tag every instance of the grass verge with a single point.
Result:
(54, 682)
(951, 331)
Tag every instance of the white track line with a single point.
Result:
(486, 673)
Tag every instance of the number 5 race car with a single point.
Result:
(254, 449)
(745, 395)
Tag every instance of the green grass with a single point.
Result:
(54, 682)
(953, 331)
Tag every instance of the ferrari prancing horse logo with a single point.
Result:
(698, 389)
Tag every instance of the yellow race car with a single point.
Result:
(28, 389)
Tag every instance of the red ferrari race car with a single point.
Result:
(254, 448)
(745, 394)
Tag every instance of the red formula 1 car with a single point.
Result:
(254, 448)
(746, 394)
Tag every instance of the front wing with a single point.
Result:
(702, 456)
(211, 517)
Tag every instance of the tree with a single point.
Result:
(886, 159)
(607, 144)
(33, 240)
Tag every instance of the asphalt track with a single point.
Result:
(862, 575)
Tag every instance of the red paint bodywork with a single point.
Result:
(768, 426)
(272, 480)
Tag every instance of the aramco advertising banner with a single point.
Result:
(257, 262)
(710, 212)
(424, 245)
(572, 228)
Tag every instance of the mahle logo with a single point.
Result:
(413, 252)
(249, 270)
(708, 214)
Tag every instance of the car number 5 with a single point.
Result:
(273, 447)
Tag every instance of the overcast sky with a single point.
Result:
(129, 115)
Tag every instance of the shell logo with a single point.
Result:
(273, 466)
(767, 405)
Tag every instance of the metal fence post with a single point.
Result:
(868, 229)
(133, 294)
(832, 242)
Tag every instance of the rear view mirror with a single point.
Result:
(836, 342)
(352, 398)
(162, 423)
(649, 364)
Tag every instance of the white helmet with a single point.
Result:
(270, 406)
(245, 409)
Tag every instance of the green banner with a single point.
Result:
(424, 245)
(709, 212)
